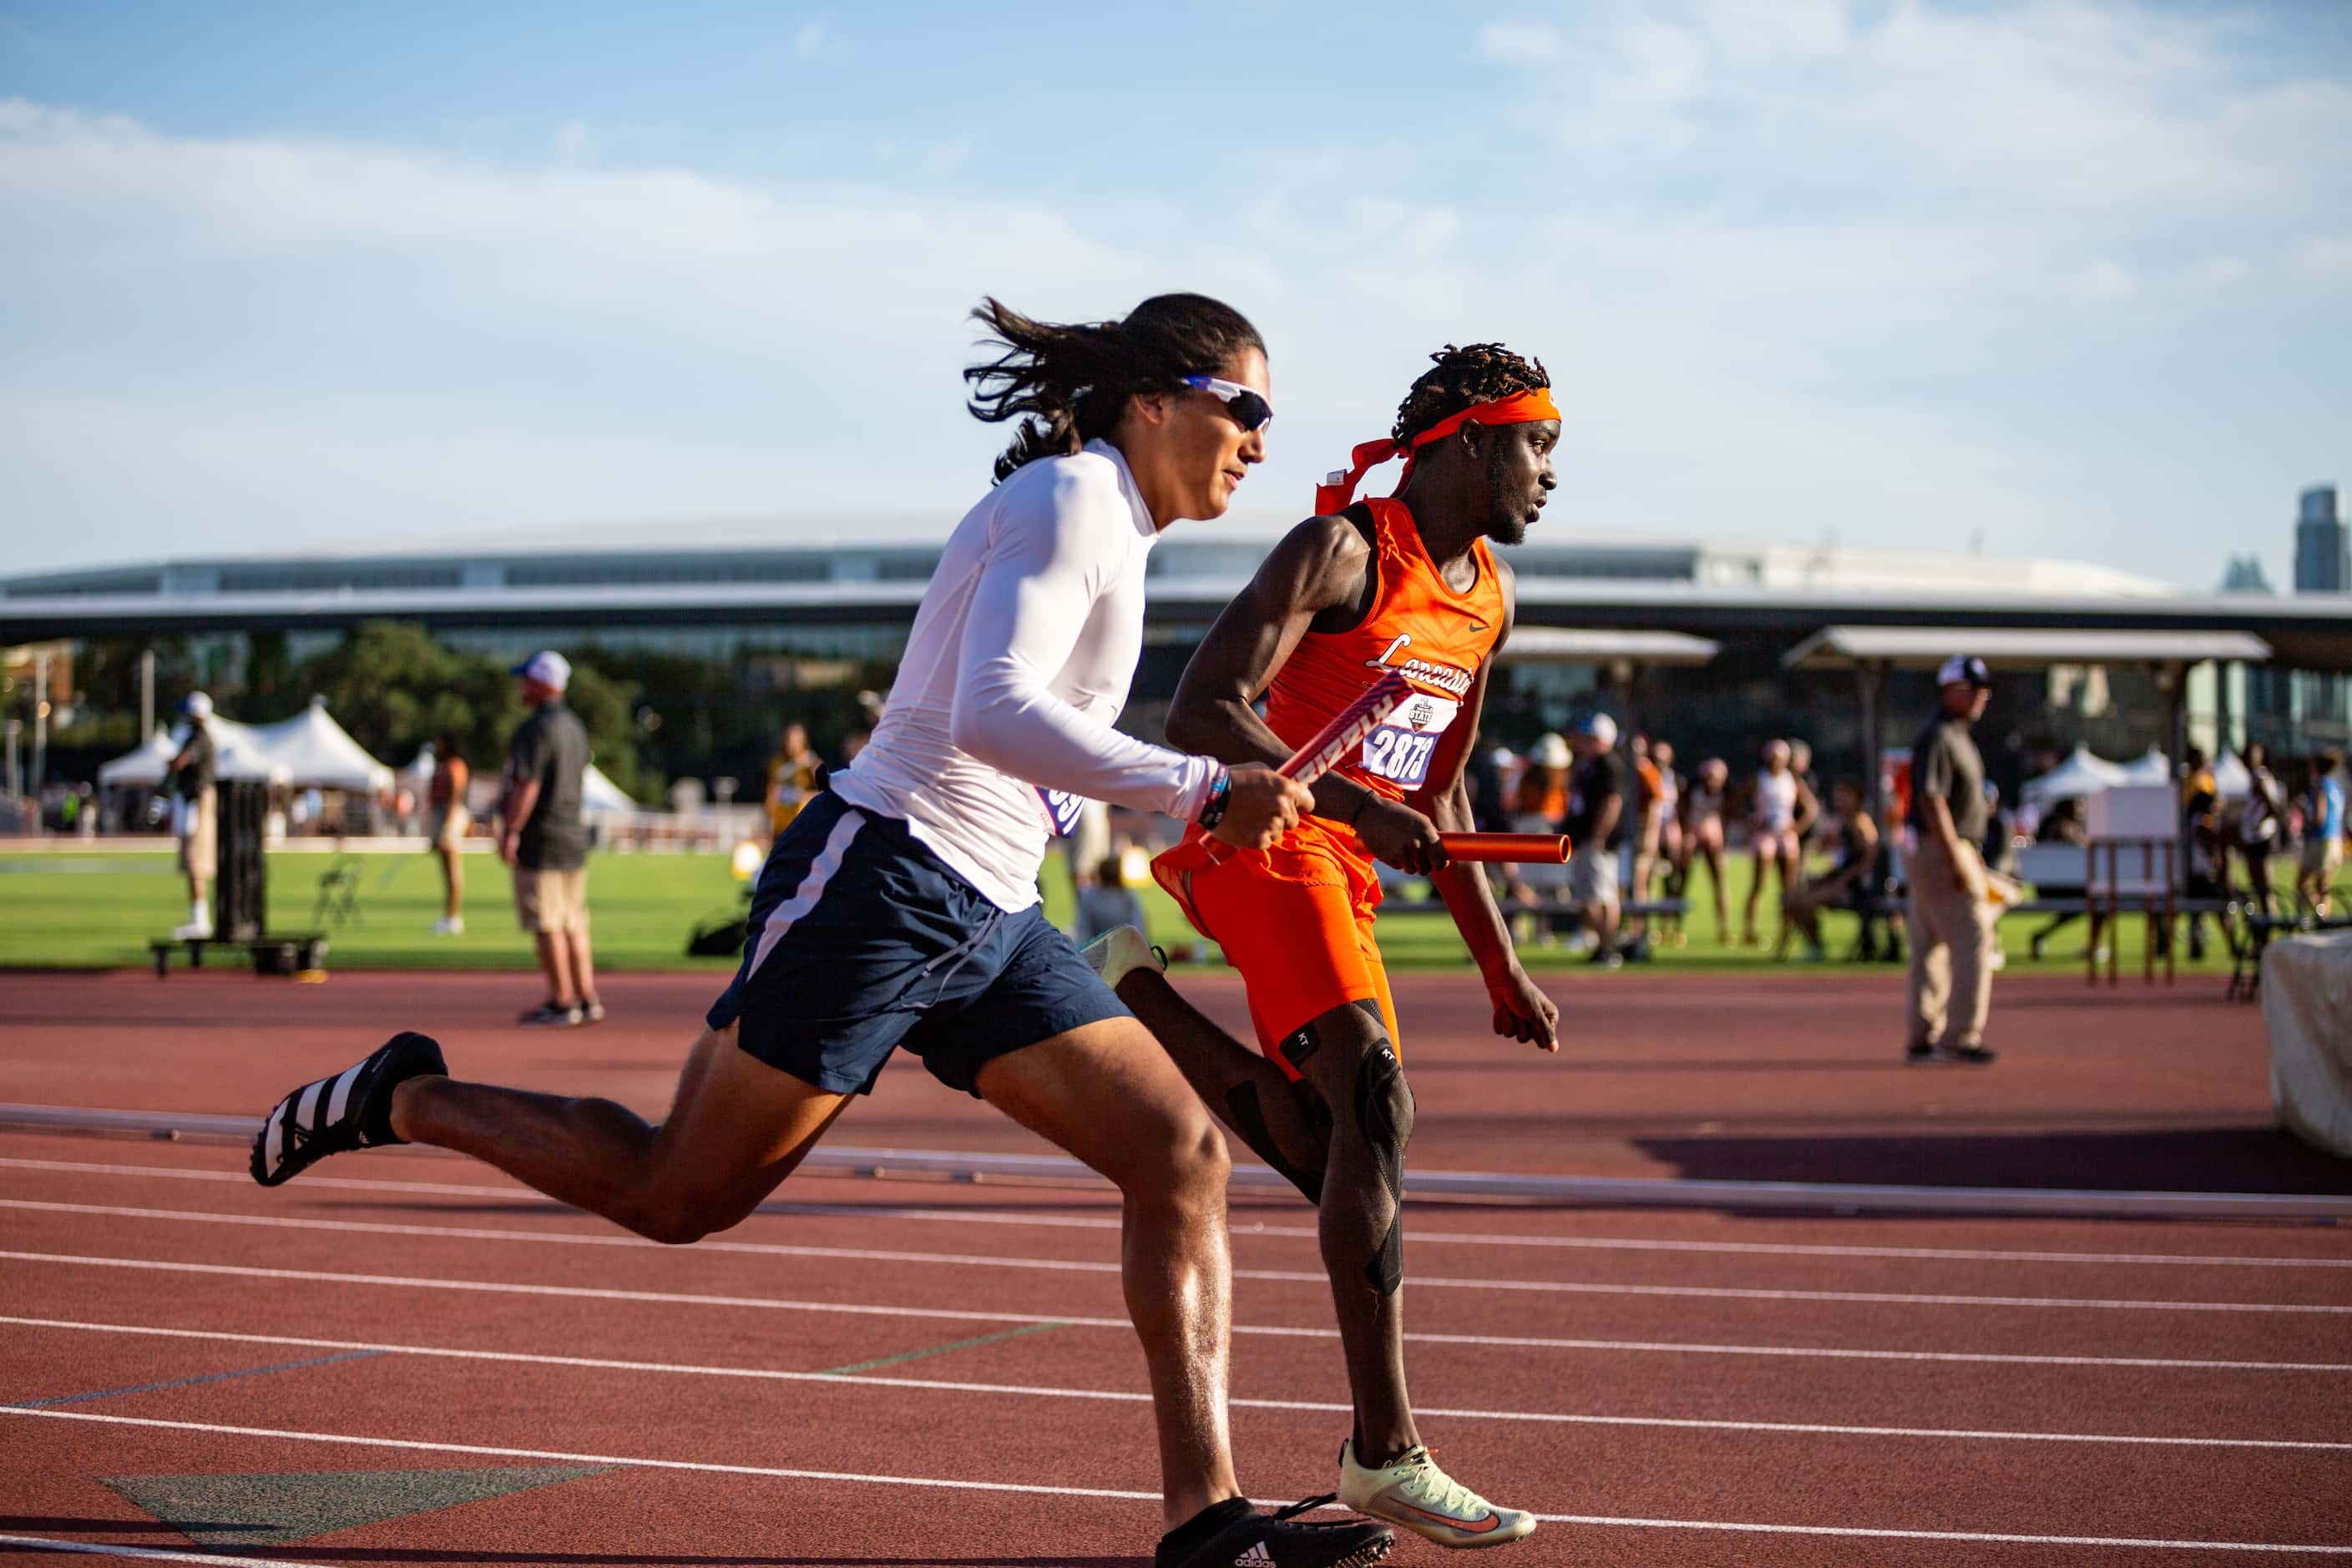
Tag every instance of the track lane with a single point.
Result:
(1674, 1475)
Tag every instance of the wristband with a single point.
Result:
(1213, 810)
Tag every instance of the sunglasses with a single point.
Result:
(1248, 410)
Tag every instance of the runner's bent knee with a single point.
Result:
(1184, 1162)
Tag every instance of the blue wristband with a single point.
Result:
(1213, 811)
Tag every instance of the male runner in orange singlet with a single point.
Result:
(1408, 584)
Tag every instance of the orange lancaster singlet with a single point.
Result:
(1296, 919)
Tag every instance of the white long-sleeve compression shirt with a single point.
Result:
(1019, 658)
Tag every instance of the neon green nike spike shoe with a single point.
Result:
(1414, 1494)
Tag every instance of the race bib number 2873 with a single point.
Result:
(1401, 750)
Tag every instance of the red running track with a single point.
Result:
(1671, 1388)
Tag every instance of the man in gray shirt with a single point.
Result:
(546, 842)
(1951, 923)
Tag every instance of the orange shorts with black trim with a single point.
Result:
(1296, 921)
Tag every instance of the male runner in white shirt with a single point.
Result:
(900, 908)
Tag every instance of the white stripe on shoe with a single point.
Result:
(341, 1096)
(273, 1153)
(304, 1112)
(821, 870)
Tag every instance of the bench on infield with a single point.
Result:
(279, 954)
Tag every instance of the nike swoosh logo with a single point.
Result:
(1493, 1521)
(1477, 626)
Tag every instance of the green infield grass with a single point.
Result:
(100, 909)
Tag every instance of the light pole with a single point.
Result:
(40, 722)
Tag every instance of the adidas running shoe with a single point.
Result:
(352, 1109)
(1249, 1538)
(1414, 1494)
(1120, 952)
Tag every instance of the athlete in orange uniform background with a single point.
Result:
(1408, 584)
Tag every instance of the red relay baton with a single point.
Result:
(1524, 848)
(1325, 748)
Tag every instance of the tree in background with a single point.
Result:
(394, 688)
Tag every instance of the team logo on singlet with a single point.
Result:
(1400, 749)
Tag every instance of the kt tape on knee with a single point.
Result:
(1248, 1119)
(1380, 1091)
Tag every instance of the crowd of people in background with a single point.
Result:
(1652, 842)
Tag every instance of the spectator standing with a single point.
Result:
(2260, 822)
(2323, 834)
(1106, 902)
(794, 775)
(2200, 818)
(1951, 923)
(1667, 854)
(546, 842)
(1784, 811)
(1647, 803)
(194, 776)
(446, 822)
(1539, 803)
(1703, 837)
(1598, 824)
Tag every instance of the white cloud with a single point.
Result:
(810, 41)
(2221, 271)
(2326, 258)
(1792, 271)
(1520, 43)
(2105, 279)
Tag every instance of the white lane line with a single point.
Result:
(156, 1554)
(1034, 1489)
(864, 1310)
(1072, 1266)
(1422, 1236)
(1035, 1391)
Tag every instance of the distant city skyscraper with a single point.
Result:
(2245, 575)
(2323, 556)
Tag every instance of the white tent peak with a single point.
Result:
(2080, 775)
(237, 755)
(315, 749)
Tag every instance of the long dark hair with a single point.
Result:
(1070, 384)
(1463, 378)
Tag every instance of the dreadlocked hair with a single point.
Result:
(1070, 384)
(1462, 378)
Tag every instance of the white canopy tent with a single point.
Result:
(237, 755)
(315, 750)
(2151, 767)
(2081, 775)
(598, 793)
(2231, 778)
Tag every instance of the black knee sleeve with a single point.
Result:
(1384, 1120)
(1245, 1116)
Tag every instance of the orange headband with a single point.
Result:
(1520, 408)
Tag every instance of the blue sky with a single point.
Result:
(2050, 277)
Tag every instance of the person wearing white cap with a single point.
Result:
(1597, 829)
(546, 842)
(193, 773)
(1951, 923)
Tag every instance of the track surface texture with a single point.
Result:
(402, 1358)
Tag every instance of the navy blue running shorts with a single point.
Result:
(862, 939)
